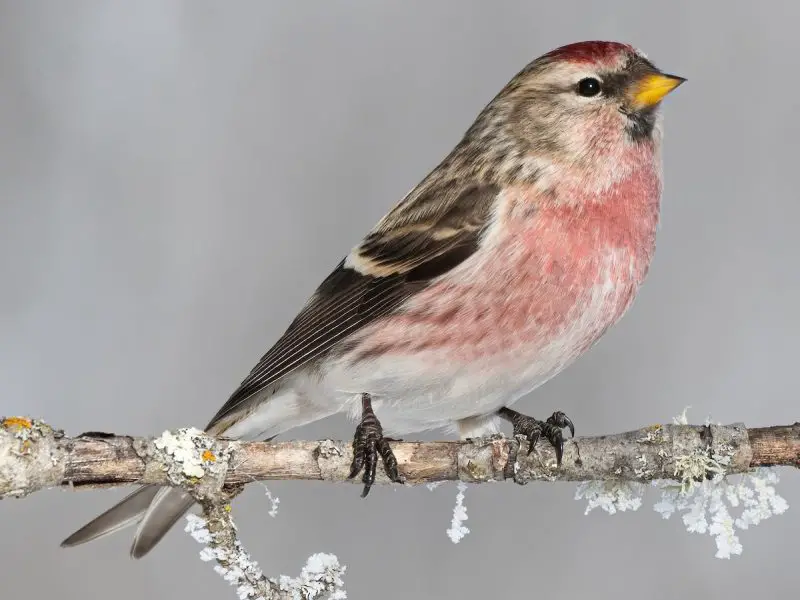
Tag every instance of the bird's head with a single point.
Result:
(580, 103)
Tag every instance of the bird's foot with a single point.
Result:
(368, 443)
(532, 429)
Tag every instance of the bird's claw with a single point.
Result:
(532, 429)
(369, 443)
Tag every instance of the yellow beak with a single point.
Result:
(652, 88)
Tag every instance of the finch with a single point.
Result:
(502, 266)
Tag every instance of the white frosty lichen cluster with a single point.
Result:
(457, 529)
(188, 448)
(682, 419)
(240, 569)
(320, 578)
(610, 496)
(706, 506)
(197, 527)
(704, 502)
(274, 501)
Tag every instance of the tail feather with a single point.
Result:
(127, 512)
(169, 505)
(156, 509)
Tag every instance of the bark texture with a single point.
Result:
(34, 456)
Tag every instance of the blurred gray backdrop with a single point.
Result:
(177, 177)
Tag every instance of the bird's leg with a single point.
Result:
(368, 443)
(532, 429)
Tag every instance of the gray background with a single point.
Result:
(178, 176)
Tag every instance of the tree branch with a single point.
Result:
(33, 456)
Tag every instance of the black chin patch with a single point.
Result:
(641, 124)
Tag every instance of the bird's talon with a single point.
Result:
(532, 429)
(560, 420)
(533, 438)
(368, 444)
(558, 445)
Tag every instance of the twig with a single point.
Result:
(33, 457)
(32, 453)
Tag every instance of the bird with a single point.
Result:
(509, 260)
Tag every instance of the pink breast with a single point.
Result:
(556, 277)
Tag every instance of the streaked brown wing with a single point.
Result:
(433, 224)
(412, 245)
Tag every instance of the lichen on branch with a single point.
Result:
(34, 456)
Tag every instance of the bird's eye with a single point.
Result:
(588, 87)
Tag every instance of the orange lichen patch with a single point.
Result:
(17, 423)
(209, 456)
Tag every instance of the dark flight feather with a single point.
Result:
(418, 241)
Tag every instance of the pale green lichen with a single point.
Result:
(723, 454)
(320, 578)
(654, 435)
(641, 470)
(704, 493)
(476, 471)
(190, 454)
(692, 468)
(328, 449)
(185, 448)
